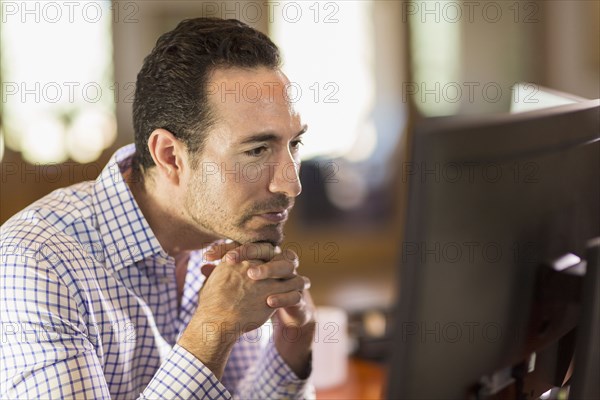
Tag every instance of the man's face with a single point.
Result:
(246, 177)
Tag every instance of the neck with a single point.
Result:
(176, 235)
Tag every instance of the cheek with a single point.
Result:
(230, 193)
(252, 175)
(234, 186)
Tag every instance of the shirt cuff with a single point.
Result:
(278, 377)
(183, 376)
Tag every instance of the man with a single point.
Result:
(152, 280)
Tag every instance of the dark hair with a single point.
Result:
(170, 89)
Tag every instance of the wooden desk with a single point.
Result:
(366, 380)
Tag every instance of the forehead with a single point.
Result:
(252, 100)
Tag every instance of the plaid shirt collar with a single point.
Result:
(125, 232)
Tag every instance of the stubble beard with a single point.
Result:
(216, 222)
(238, 232)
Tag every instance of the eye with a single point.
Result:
(256, 152)
(296, 144)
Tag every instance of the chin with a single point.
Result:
(271, 234)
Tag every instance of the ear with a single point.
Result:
(168, 153)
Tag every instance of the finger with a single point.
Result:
(252, 251)
(208, 269)
(298, 284)
(307, 283)
(300, 315)
(289, 299)
(289, 255)
(217, 250)
(274, 269)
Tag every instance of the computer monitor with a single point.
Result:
(530, 96)
(500, 211)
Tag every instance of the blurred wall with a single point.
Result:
(570, 44)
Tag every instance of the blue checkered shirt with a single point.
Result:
(88, 307)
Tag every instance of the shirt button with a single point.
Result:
(164, 280)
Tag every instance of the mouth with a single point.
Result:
(276, 216)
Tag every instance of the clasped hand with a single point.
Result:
(250, 283)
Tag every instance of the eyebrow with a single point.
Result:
(269, 136)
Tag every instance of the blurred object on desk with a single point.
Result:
(370, 333)
(364, 381)
(331, 347)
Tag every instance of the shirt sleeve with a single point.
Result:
(183, 376)
(261, 373)
(45, 351)
(272, 378)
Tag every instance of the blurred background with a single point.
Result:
(362, 71)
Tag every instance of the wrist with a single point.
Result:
(294, 344)
(209, 342)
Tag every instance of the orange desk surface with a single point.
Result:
(365, 381)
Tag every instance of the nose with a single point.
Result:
(285, 178)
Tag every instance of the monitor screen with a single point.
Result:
(495, 202)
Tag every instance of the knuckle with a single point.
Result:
(290, 255)
(288, 268)
(305, 282)
(232, 256)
